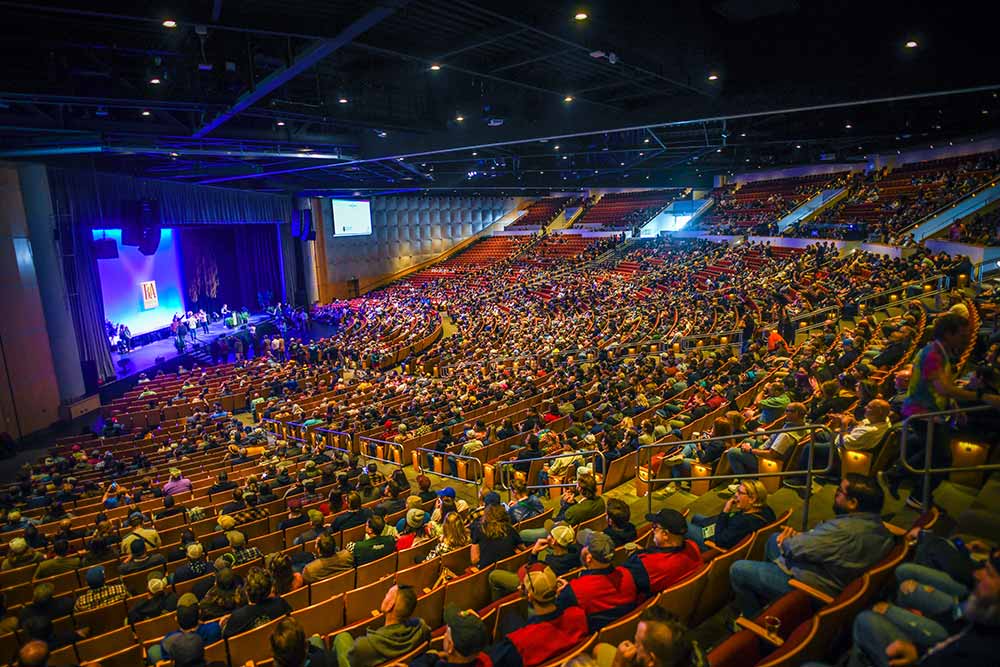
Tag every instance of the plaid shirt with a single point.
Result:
(251, 514)
(246, 554)
(101, 597)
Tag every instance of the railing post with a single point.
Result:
(927, 463)
(811, 451)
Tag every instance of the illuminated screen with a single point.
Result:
(122, 283)
(351, 218)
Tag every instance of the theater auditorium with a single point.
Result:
(499, 334)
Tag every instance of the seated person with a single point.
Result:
(401, 633)
(603, 591)
(743, 459)
(671, 558)
(261, 606)
(827, 557)
(465, 638)
(620, 528)
(744, 513)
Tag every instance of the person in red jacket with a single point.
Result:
(606, 593)
(671, 558)
(550, 631)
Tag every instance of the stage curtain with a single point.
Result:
(98, 197)
(238, 261)
(83, 282)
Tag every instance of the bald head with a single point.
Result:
(877, 411)
(33, 654)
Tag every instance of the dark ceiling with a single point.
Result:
(339, 96)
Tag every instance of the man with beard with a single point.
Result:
(894, 636)
(828, 557)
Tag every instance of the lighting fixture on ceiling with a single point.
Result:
(343, 100)
(155, 81)
(568, 98)
(581, 16)
(848, 126)
(645, 141)
(556, 147)
(798, 145)
(173, 154)
(459, 118)
(435, 67)
(713, 77)
(621, 164)
(912, 44)
(146, 112)
(280, 123)
(381, 134)
(169, 23)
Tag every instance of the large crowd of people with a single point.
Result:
(218, 521)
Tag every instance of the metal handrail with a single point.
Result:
(478, 481)
(336, 434)
(362, 440)
(809, 471)
(502, 466)
(928, 469)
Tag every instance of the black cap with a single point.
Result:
(468, 632)
(669, 520)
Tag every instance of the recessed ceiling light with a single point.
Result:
(713, 77)
(173, 155)
(743, 134)
(568, 98)
(912, 44)
(581, 16)
(343, 100)
(154, 81)
(848, 126)
(280, 123)
(564, 157)
(641, 153)
(459, 118)
(556, 147)
(474, 153)
(717, 150)
(621, 164)
(169, 23)
(645, 141)
(381, 134)
(435, 67)
(798, 145)
(146, 112)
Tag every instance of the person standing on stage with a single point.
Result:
(182, 332)
(192, 325)
(203, 320)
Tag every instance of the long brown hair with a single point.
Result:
(496, 522)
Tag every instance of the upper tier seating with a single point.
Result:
(623, 210)
(543, 211)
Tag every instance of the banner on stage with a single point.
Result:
(149, 297)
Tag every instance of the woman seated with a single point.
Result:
(744, 513)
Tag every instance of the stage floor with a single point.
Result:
(143, 358)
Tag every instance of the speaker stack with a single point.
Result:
(302, 227)
(141, 224)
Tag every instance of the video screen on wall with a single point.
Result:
(351, 217)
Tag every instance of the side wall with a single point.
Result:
(29, 393)
(405, 231)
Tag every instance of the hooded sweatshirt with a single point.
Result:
(387, 642)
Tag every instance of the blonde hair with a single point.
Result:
(453, 531)
(757, 492)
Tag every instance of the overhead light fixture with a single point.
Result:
(581, 16)
(556, 147)
(173, 155)
(155, 81)
(717, 150)
(147, 112)
(800, 146)
(169, 23)
(343, 100)
(568, 98)
(713, 77)
(435, 67)
(565, 157)
(912, 44)
(280, 123)
(848, 126)
(381, 134)
(474, 153)
(743, 134)
(459, 118)
(645, 141)
(621, 164)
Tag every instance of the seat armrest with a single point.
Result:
(760, 631)
(810, 591)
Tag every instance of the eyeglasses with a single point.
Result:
(741, 491)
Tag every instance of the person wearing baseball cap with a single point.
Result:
(550, 630)
(603, 591)
(177, 483)
(161, 599)
(465, 639)
(559, 551)
(671, 558)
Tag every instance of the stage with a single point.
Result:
(144, 358)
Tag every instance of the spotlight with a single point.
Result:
(342, 100)
(556, 147)
(474, 153)
(848, 126)
(280, 123)
(381, 134)
(435, 67)
(713, 77)
(581, 16)
(564, 157)
(169, 23)
(645, 141)
(912, 44)
(147, 112)
(459, 118)
(743, 134)
(798, 145)
(568, 98)
(154, 81)
(173, 154)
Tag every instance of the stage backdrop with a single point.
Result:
(231, 264)
(124, 283)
